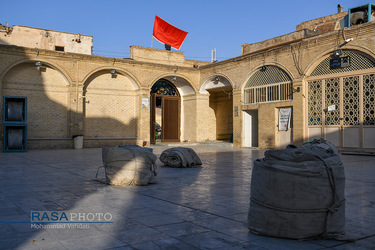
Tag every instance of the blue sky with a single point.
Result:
(225, 25)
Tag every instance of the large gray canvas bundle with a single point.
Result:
(129, 165)
(298, 192)
(180, 157)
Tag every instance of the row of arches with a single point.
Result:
(337, 96)
(185, 85)
(104, 105)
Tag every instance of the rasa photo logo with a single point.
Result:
(64, 219)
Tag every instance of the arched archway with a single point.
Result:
(47, 91)
(340, 99)
(110, 109)
(165, 111)
(267, 84)
(220, 107)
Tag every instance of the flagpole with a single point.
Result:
(152, 40)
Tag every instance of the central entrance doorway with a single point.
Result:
(165, 112)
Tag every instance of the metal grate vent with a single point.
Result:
(358, 61)
(268, 75)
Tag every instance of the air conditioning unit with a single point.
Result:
(358, 18)
(361, 14)
(14, 124)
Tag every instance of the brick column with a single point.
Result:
(143, 131)
(189, 121)
(237, 119)
(76, 110)
(299, 111)
(1, 114)
(206, 122)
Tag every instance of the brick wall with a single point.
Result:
(47, 104)
(189, 131)
(112, 109)
(206, 122)
(223, 102)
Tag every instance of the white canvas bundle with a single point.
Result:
(129, 165)
(298, 192)
(180, 157)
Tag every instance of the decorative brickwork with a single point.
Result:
(75, 94)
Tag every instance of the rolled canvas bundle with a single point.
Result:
(180, 157)
(129, 165)
(298, 192)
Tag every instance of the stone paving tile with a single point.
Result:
(180, 229)
(210, 240)
(73, 231)
(15, 240)
(198, 208)
(97, 241)
(285, 244)
(367, 243)
(162, 219)
(120, 224)
(139, 235)
(41, 240)
(169, 243)
(193, 215)
(218, 223)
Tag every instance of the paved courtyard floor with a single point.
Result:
(197, 208)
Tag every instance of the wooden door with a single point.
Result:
(171, 119)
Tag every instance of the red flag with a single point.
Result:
(168, 34)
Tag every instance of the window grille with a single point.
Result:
(272, 93)
(332, 97)
(268, 75)
(368, 99)
(164, 87)
(358, 61)
(351, 100)
(269, 84)
(315, 102)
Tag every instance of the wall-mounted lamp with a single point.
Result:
(337, 53)
(294, 90)
(346, 41)
(216, 79)
(38, 64)
(298, 89)
(174, 78)
(84, 97)
(113, 71)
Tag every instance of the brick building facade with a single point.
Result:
(240, 98)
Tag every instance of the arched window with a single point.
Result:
(325, 90)
(164, 87)
(357, 61)
(268, 84)
(340, 100)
